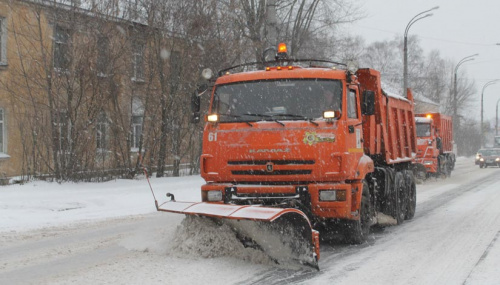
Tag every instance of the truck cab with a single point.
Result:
(285, 134)
(427, 144)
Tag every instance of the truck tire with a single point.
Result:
(357, 231)
(446, 169)
(401, 197)
(411, 205)
(452, 162)
(395, 199)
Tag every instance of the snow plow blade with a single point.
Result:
(285, 235)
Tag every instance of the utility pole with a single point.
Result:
(271, 24)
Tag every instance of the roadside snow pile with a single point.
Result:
(201, 236)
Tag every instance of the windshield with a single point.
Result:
(290, 99)
(489, 152)
(423, 130)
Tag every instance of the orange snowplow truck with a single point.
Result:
(435, 155)
(307, 149)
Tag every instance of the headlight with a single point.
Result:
(428, 162)
(429, 142)
(481, 159)
(329, 114)
(214, 195)
(477, 157)
(498, 159)
(332, 195)
(212, 118)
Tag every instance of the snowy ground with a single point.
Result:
(109, 233)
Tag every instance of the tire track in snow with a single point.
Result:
(335, 254)
(483, 257)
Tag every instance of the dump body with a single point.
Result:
(435, 143)
(389, 136)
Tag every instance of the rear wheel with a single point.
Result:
(398, 198)
(357, 231)
(412, 196)
(446, 170)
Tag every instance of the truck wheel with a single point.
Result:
(411, 205)
(480, 166)
(399, 198)
(446, 170)
(357, 231)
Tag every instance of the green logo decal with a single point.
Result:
(313, 138)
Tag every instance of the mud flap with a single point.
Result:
(285, 235)
(419, 171)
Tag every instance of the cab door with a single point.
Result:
(354, 138)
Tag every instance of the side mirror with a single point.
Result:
(196, 104)
(368, 103)
(207, 74)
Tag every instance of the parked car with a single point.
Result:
(488, 157)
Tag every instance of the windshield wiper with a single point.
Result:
(236, 116)
(256, 115)
(264, 116)
(297, 116)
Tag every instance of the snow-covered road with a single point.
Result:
(453, 239)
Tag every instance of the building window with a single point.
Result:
(64, 129)
(3, 41)
(102, 131)
(61, 48)
(136, 131)
(138, 61)
(102, 56)
(2, 131)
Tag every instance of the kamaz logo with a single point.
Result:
(269, 150)
(269, 167)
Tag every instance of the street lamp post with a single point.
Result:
(455, 105)
(405, 46)
(482, 95)
(496, 119)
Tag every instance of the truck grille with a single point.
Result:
(271, 167)
(275, 172)
(276, 162)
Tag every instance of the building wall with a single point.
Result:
(34, 92)
(423, 107)
(11, 159)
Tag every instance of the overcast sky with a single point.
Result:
(457, 29)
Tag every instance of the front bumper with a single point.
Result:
(430, 164)
(306, 197)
